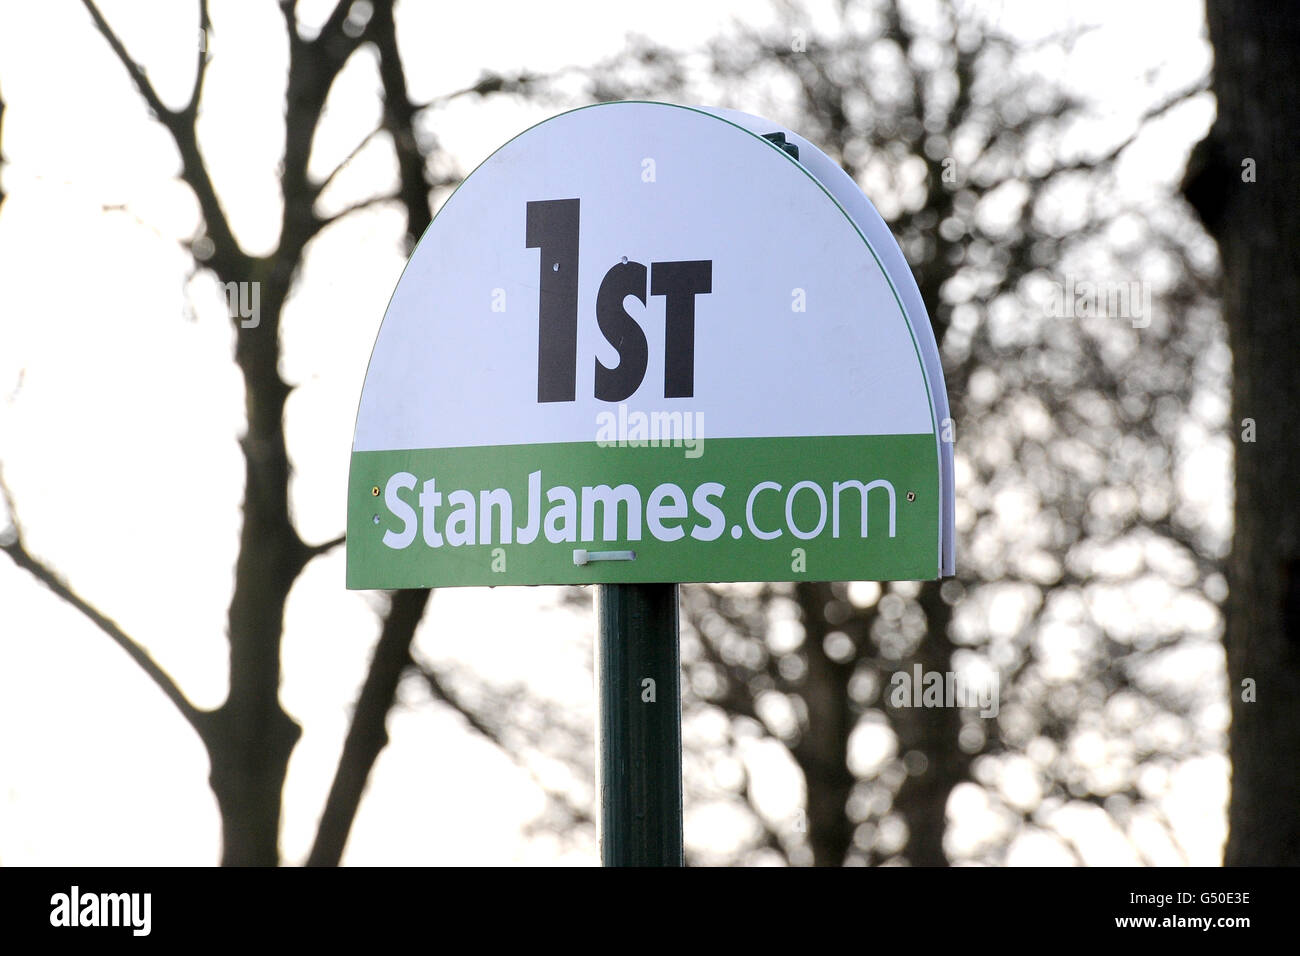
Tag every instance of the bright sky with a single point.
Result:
(120, 409)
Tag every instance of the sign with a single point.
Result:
(646, 343)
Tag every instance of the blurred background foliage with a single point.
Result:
(1092, 454)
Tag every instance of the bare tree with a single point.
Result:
(1068, 453)
(1069, 446)
(1240, 182)
(250, 737)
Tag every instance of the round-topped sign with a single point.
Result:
(645, 342)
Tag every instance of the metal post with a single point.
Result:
(639, 721)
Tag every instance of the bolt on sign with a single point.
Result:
(652, 343)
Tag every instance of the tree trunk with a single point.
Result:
(933, 733)
(822, 753)
(1242, 180)
(254, 736)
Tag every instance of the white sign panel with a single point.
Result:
(644, 343)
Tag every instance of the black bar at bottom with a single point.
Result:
(639, 721)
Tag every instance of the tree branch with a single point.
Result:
(316, 550)
(1154, 112)
(133, 69)
(12, 545)
(399, 118)
(441, 692)
(324, 184)
(488, 84)
(356, 207)
(200, 68)
(368, 735)
(181, 127)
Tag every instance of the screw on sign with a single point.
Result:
(561, 294)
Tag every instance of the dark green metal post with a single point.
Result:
(639, 721)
